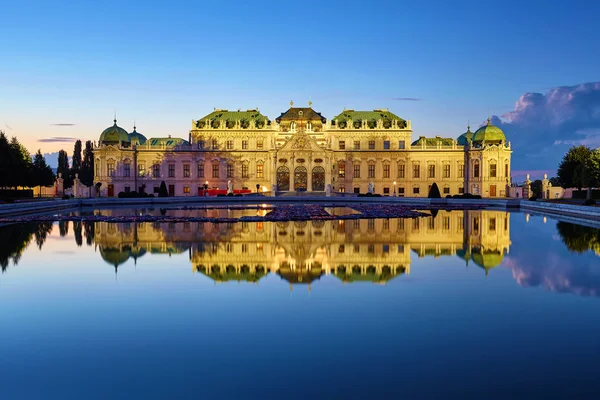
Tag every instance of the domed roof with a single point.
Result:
(136, 138)
(114, 256)
(466, 137)
(489, 133)
(114, 135)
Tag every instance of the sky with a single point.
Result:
(67, 67)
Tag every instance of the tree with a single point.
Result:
(434, 192)
(536, 188)
(87, 166)
(162, 191)
(42, 174)
(63, 168)
(76, 161)
(555, 181)
(20, 165)
(580, 168)
(5, 160)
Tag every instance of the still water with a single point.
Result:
(469, 304)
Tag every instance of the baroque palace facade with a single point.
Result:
(303, 151)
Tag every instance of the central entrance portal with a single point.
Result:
(318, 179)
(283, 179)
(300, 179)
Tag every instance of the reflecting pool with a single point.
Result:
(462, 304)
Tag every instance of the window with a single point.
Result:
(371, 171)
(447, 171)
(171, 170)
(342, 170)
(357, 248)
(401, 171)
(385, 248)
(476, 170)
(156, 170)
(357, 145)
(186, 170)
(244, 145)
(371, 145)
(259, 171)
(386, 144)
(110, 168)
(127, 170)
(229, 145)
(461, 190)
(446, 223)
(431, 171)
(230, 170)
(342, 144)
(244, 247)
(201, 144)
(492, 224)
(244, 170)
(416, 190)
(401, 191)
(461, 171)
(371, 224)
(357, 170)
(215, 144)
(416, 171)
(386, 190)
(357, 190)
(186, 189)
(493, 170)
(200, 170)
(141, 169)
(127, 189)
(342, 189)
(475, 189)
(446, 190)
(215, 170)
(342, 249)
(259, 144)
(401, 144)
(386, 170)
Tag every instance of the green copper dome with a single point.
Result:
(487, 259)
(114, 135)
(489, 133)
(136, 138)
(466, 137)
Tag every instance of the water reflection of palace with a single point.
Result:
(373, 250)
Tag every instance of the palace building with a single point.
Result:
(301, 150)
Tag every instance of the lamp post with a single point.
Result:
(206, 189)
(394, 188)
(257, 187)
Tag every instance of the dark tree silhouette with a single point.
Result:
(162, 191)
(434, 192)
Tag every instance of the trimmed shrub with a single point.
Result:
(162, 191)
(533, 198)
(434, 192)
(589, 202)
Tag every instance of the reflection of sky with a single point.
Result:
(159, 331)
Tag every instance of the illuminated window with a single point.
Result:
(259, 171)
(186, 189)
(141, 169)
(342, 170)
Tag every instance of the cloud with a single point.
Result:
(57, 139)
(542, 127)
(62, 124)
(406, 99)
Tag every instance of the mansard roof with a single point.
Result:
(433, 141)
(168, 142)
(301, 113)
(238, 115)
(367, 115)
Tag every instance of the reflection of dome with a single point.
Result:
(489, 133)
(136, 138)
(114, 256)
(488, 259)
(114, 135)
(465, 138)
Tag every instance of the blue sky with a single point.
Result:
(166, 63)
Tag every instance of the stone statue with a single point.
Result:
(545, 176)
(229, 187)
(371, 188)
(328, 190)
